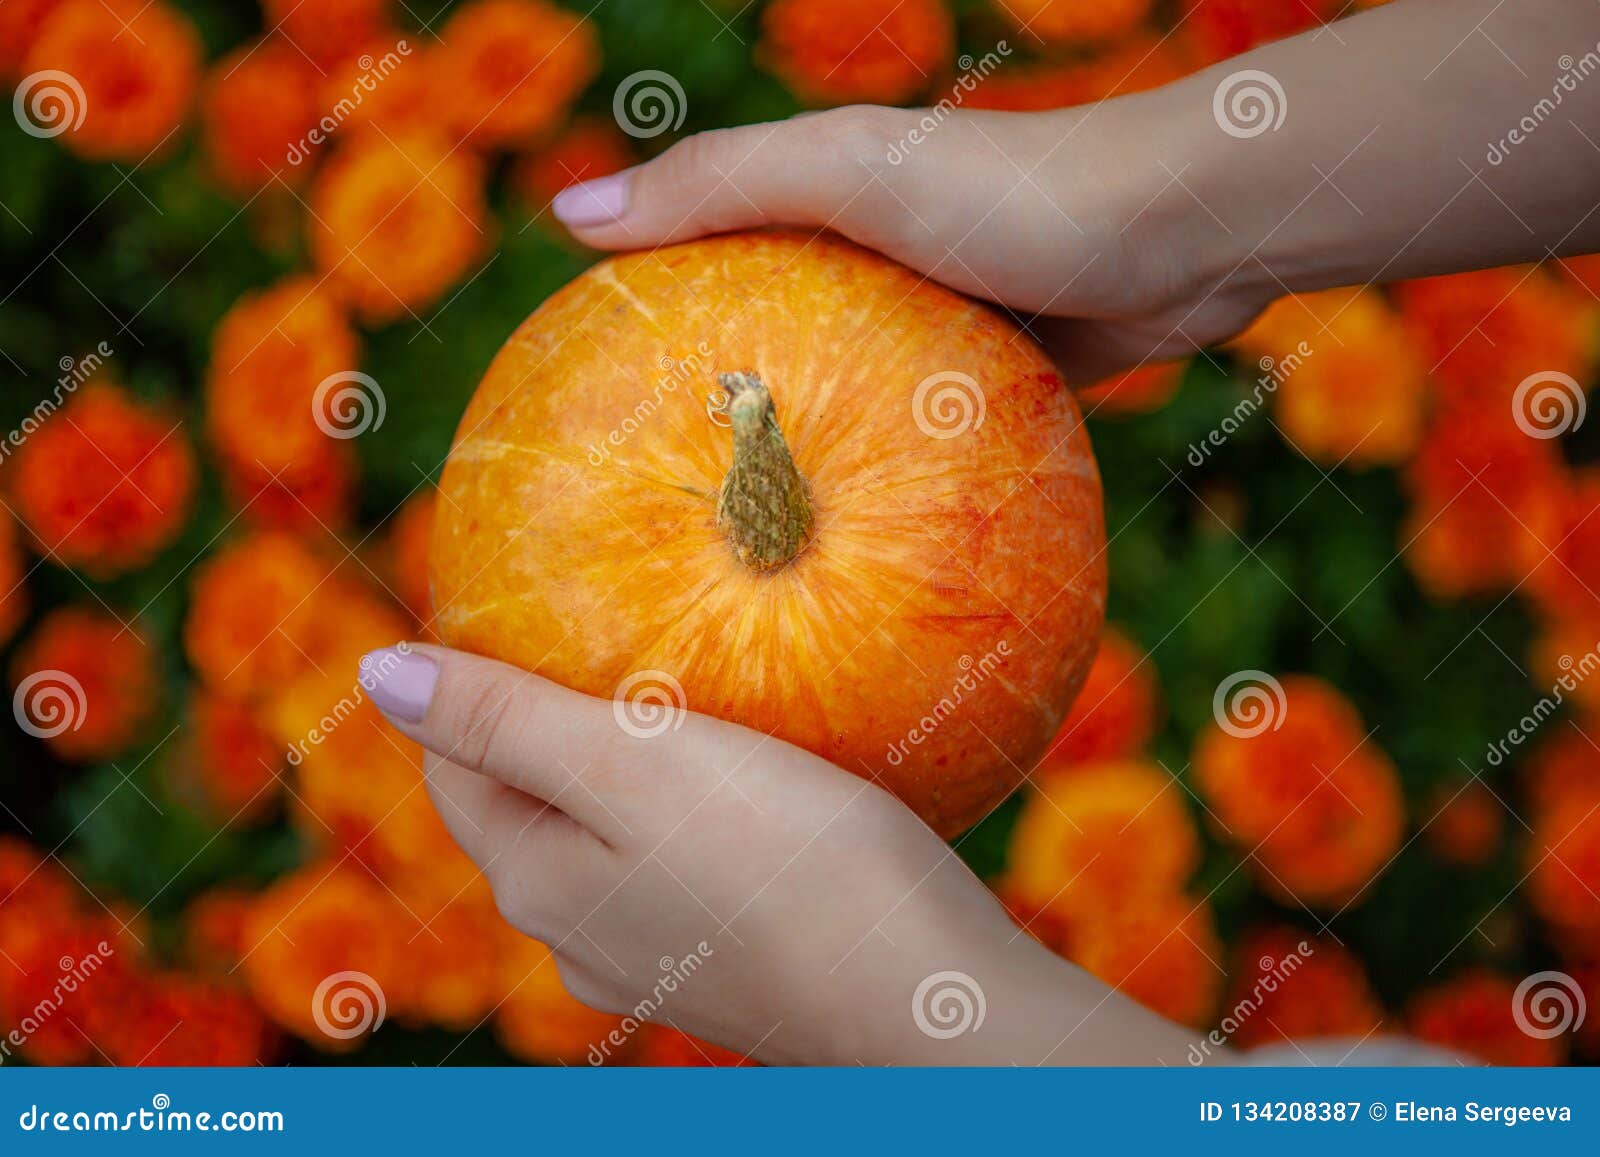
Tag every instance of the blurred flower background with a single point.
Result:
(1337, 767)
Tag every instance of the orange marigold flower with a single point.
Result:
(456, 972)
(13, 573)
(1487, 498)
(106, 483)
(1077, 21)
(1475, 1013)
(257, 111)
(1466, 825)
(1564, 865)
(1347, 386)
(590, 147)
(540, 1022)
(1219, 29)
(329, 31)
(1584, 271)
(1482, 334)
(391, 83)
(1314, 803)
(1161, 950)
(236, 761)
(20, 21)
(837, 51)
(661, 1047)
(86, 682)
(325, 920)
(1114, 714)
(214, 928)
(174, 1020)
(271, 355)
(71, 964)
(1106, 833)
(313, 499)
(510, 69)
(136, 64)
(410, 540)
(1564, 584)
(1140, 63)
(249, 613)
(1567, 763)
(396, 221)
(1290, 986)
(1138, 391)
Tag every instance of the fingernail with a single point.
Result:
(596, 202)
(400, 682)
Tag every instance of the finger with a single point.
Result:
(816, 169)
(499, 721)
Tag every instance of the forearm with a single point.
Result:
(1426, 137)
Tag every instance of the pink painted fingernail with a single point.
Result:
(597, 202)
(400, 681)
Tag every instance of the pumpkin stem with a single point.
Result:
(765, 505)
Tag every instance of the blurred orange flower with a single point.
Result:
(270, 354)
(392, 84)
(1564, 865)
(410, 540)
(105, 484)
(395, 222)
(136, 64)
(257, 110)
(172, 1020)
(1114, 714)
(1138, 391)
(214, 927)
(1474, 1013)
(1466, 825)
(1108, 833)
(589, 147)
(20, 21)
(315, 498)
(1312, 802)
(510, 68)
(540, 1022)
(1223, 28)
(662, 1047)
(1077, 21)
(1134, 65)
(329, 31)
(1565, 584)
(236, 761)
(1162, 951)
(87, 683)
(838, 51)
(1281, 991)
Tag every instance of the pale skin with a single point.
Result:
(1129, 231)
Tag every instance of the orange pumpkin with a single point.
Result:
(781, 480)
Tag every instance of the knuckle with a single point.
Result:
(481, 724)
(856, 136)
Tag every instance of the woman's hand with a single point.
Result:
(802, 913)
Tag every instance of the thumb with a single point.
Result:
(821, 169)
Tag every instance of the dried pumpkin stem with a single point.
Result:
(765, 505)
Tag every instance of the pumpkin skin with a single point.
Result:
(943, 612)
